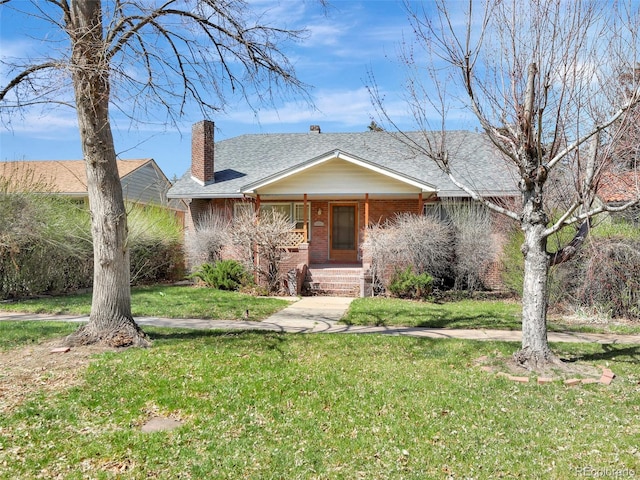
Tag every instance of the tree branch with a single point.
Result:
(22, 76)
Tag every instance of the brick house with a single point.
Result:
(332, 185)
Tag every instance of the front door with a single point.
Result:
(343, 241)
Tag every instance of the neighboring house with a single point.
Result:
(332, 184)
(619, 188)
(142, 180)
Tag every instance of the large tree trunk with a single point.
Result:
(110, 322)
(535, 353)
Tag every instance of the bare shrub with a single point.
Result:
(475, 243)
(259, 241)
(205, 243)
(423, 243)
(606, 278)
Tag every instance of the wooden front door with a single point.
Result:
(343, 232)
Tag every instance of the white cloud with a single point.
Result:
(342, 108)
(48, 125)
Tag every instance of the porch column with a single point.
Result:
(366, 213)
(305, 219)
(256, 258)
(420, 204)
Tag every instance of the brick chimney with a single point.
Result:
(202, 169)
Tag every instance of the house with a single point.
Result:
(142, 180)
(333, 185)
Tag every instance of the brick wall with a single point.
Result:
(319, 246)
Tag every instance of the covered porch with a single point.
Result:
(332, 199)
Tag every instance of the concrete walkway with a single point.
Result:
(321, 314)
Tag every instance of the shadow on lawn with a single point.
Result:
(626, 354)
(270, 340)
(444, 318)
(196, 334)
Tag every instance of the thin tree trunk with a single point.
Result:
(111, 321)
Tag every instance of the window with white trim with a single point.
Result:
(291, 211)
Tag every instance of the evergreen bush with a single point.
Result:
(223, 275)
(407, 284)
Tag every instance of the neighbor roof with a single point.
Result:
(60, 176)
(617, 187)
(249, 160)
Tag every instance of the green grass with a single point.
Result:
(459, 314)
(198, 302)
(268, 405)
(162, 301)
(473, 314)
(14, 334)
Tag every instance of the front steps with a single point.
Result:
(333, 280)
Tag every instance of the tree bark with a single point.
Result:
(110, 321)
(535, 353)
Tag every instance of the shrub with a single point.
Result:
(407, 284)
(476, 245)
(205, 243)
(605, 277)
(223, 275)
(155, 236)
(421, 242)
(513, 262)
(45, 242)
(46, 245)
(262, 237)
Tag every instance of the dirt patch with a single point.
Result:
(35, 368)
(560, 371)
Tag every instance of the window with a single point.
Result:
(299, 216)
(291, 211)
(435, 210)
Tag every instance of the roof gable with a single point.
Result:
(337, 172)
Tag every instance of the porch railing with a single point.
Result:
(293, 238)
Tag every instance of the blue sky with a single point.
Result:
(343, 45)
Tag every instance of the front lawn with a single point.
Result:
(269, 405)
(163, 301)
(474, 314)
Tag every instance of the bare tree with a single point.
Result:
(541, 79)
(261, 241)
(134, 54)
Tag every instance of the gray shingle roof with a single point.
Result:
(248, 159)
